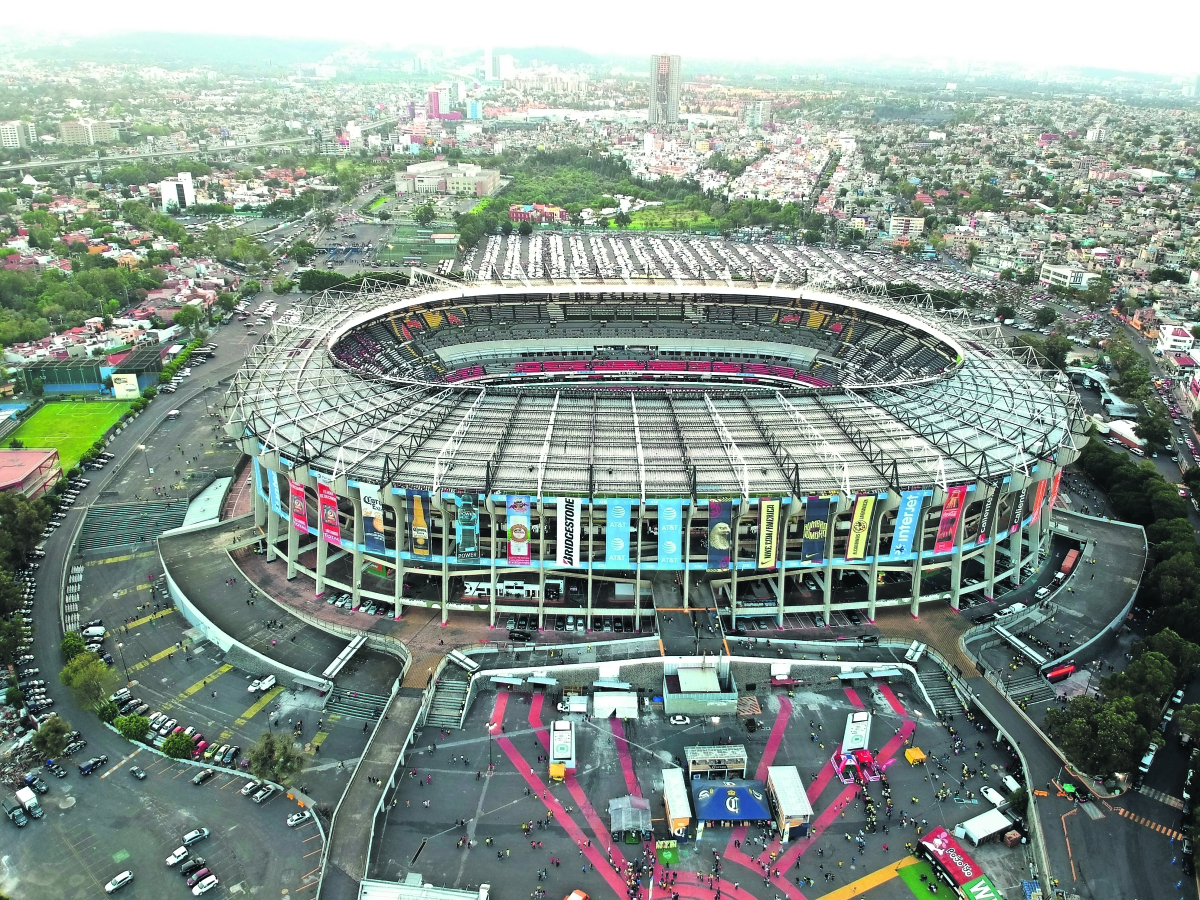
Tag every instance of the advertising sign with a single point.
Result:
(125, 387)
(273, 491)
(419, 542)
(1018, 511)
(907, 517)
(952, 509)
(258, 485)
(616, 533)
(982, 889)
(670, 534)
(720, 533)
(947, 852)
(985, 518)
(816, 528)
(860, 527)
(372, 513)
(570, 530)
(768, 533)
(517, 510)
(1037, 500)
(327, 501)
(466, 527)
(1053, 491)
(299, 508)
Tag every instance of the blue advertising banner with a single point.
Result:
(670, 533)
(466, 527)
(372, 513)
(273, 490)
(720, 533)
(906, 522)
(258, 485)
(816, 529)
(616, 526)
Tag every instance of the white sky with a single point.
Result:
(1043, 34)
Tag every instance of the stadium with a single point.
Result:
(598, 449)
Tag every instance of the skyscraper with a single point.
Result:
(664, 89)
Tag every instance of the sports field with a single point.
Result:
(71, 428)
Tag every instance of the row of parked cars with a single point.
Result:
(163, 726)
(34, 689)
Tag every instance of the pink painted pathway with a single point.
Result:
(618, 731)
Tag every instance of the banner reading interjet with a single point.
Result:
(372, 513)
(907, 517)
(273, 491)
(299, 507)
(860, 527)
(670, 533)
(768, 533)
(816, 528)
(1037, 500)
(570, 530)
(952, 510)
(327, 503)
(616, 533)
(419, 541)
(466, 527)
(985, 518)
(720, 534)
(517, 511)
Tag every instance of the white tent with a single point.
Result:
(982, 827)
(614, 703)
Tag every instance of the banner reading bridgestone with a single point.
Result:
(299, 507)
(466, 527)
(372, 513)
(768, 533)
(860, 527)
(327, 502)
(670, 534)
(517, 510)
(570, 530)
(952, 509)
(816, 529)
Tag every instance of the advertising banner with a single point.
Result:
(517, 509)
(125, 387)
(372, 513)
(466, 527)
(1018, 510)
(670, 534)
(816, 529)
(570, 530)
(952, 509)
(419, 543)
(258, 485)
(1053, 491)
(616, 532)
(299, 508)
(720, 534)
(950, 855)
(982, 889)
(860, 527)
(907, 517)
(768, 533)
(273, 491)
(327, 501)
(985, 518)
(1037, 500)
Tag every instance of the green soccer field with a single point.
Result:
(71, 428)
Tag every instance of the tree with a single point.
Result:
(1004, 311)
(718, 209)
(325, 218)
(302, 251)
(525, 229)
(622, 219)
(249, 288)
(1154, 427)
(179, 746)
(274, 758)
(89, 679)
(51, 738)
(506, 227)
(972, 253)
(187, 316)
(1187, 720)
(315, 280)
(1046, 315)
(424, 215)
(71, 646)
(38, 387)
(1160, 274)
(227, 301)
(14, 697)
(282, 285)
(132, 728)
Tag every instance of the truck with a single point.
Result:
(28, 801)
(15, 814)
(1067, 567)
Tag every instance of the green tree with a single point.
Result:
(1187, 719)
(1150, 673)
(12, 633)
(132, 728)
(187, 316)
(179, 746)
(249, 288)
(302, 251)
(89, 679)
(274, 758)
(227, 301)
(525, 229)
(622, 219)
(1046, 315)
(1005, 311)
(51, 738)
(325, 218)
(282, 285)
(1154, 427)
(14, 697)
(424, 215)
(71, 645)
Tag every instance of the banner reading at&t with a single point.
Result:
(860, 527)
(327, 502)
(517, 510)
(299, 508)
(720, 533)
(418, 524)
(616, 533)
(372, 513)
(570, 522)
(816, 529)
(466, 527)
(906, 522)
(670, 533)
(768, 533)
(1037, 500)
(952, 509)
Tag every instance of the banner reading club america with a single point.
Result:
(816, 529)
(907, 517)
(517, 511)
(299, 507)
(616, 533)
(860, 527)
(952, 509)
(670, 534)
(327, 502)
(768, 533)
(372, 513)
(570, 530)
(720, 533)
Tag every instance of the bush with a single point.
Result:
(72, 645)
(14, 697)
(108, 712)
(132, 728)
(179, 746)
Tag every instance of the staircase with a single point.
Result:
(555, 312)
(125, 524)
(944, 699)
(1031, 687)
(359, 704)
(448, 699)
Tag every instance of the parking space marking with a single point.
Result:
(123, 591)
(198, 686)
(258, 706)
(150, 618)
(122, 762)
(319, 738)
(162, 654)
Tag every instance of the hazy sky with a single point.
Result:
(1159, 37)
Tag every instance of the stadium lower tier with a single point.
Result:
(757, 557)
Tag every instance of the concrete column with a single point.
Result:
(989, 567)
(637, 572)
(322, 560)
(293, 541)
(1014, 552)
(542, 526)
(736, 522)
(260, 505)
(441, 508)
(357, 562)
(400, 508)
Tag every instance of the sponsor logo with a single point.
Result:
(570, 514)
(668, 513)
(815, 530)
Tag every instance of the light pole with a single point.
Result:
(121, 650)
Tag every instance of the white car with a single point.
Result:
(180, 854)
(205, 886)
(118, 882)
(680, 720)
(255, 685)
(298, 818)
(192, 836)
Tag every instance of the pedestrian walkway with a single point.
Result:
(1161, 797)
(880, 876)
(1142, 820)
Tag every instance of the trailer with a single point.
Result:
(1068, 566)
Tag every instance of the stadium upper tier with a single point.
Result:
(645, 391)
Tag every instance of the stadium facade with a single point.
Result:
(588, 448)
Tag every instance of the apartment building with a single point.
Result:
(1066, 276)
(177, 192)
(757, 113)
(1175, 339)
(903, 227)
(665, 79)
(17, 134)
(86, 131)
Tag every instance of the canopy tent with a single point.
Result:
(982, 827)
(629, 813)
(914, 755)
(735, 800)
(886, 673)
(507, 680)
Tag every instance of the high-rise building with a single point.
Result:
(433, 104)
(17, 134)
(177, 192)
(664, 89)
(757, 113)
(85, 131)
(489, 71)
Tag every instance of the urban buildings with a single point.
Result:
(440, 177)
(903, 227)
(86, 131)
(757, 113)
(1065, 276)
(17, 134)
(177, 192)
(664, 89)
(1175, 339)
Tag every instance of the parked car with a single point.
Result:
(137, 773)
(205, 886)
(298, 818)
(198, 877)
(203, 776)
(193, 836)
(118, 882)
(178, 856)
(187, 868)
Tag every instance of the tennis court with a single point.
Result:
(69, 427)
